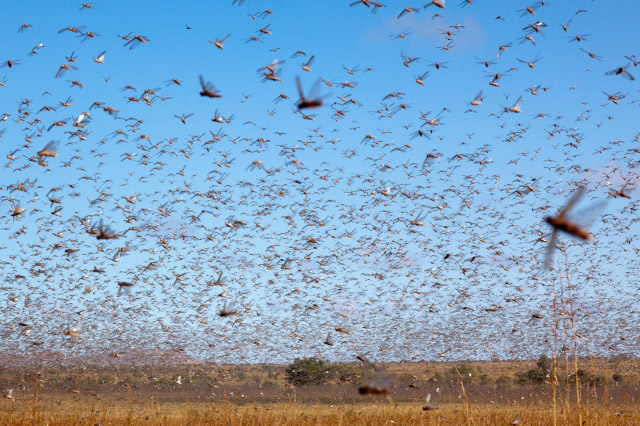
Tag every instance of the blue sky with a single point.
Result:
(371, 272)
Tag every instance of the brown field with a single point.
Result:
(382, 412)
(305, 414)
(209, 394)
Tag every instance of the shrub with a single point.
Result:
(306, 371)
(504, 381)
(617, 377)
(538, 375)
(535, 376)
(585, 377)
(345, 372)
(467, 371)
(599, 380)
(544, 364)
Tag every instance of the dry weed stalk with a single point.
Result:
(570, 313)
(464, 395)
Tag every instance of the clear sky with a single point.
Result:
(324, 243)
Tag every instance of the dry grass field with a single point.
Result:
(365, 413)
(260, 395)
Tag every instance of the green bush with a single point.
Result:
(307, 371)
(538, 375)
(599, 380)
(345, 372)
(535, 376)
(504, 381)
(544, 364)
(587, 378)
(617, 377)
(468, 373)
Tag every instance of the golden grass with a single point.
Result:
(382, 412)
